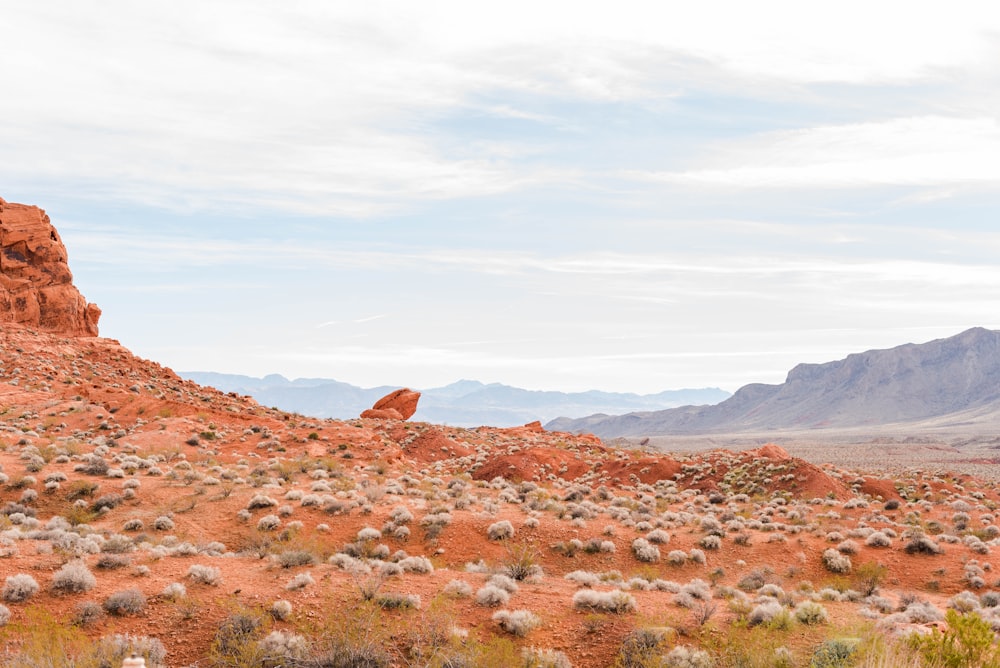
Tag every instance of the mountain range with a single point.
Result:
(953, 381)
(465, 403)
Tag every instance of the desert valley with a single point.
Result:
(140, 512)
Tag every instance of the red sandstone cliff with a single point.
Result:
(36, 286)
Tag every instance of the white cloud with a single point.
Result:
(923, 151)
(323, 108)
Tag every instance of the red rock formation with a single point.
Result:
(772, 451)
(36, 286)
(382, 414)
(398, 405)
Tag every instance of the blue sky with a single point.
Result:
(556, 195)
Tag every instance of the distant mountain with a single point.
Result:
(959, 375)
(466, 403)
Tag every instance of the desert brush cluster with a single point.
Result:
(143, 513)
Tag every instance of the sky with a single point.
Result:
(628, 196)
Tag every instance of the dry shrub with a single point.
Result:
(517, 622)
(125, 602)
(617, 601)
(18, 588)
(74, 577)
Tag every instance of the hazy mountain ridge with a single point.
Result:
(462, 403)
(957, 376)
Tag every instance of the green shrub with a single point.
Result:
(235, 643)
(968, 643)
(643, 646)
(810, 613)
(521, 563)
(43, 640)
(357, 640)
(869, 576)
(835, 653)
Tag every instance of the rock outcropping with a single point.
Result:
(398, 405)
(36, 286)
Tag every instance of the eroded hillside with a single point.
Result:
(135, 502)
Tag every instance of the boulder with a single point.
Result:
(36, 286)
(382, 414)
(398, 405)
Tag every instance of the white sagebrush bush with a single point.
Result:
(18, 588)
(764, 612)
(583, 578)
(368, 534)
(770, 589)
(416, 565)
(209, 575)
(283, 646)
(604, 601)
(878, 539)
(492, 596)
(922, 612)
(300, 581)
(698, 589)
(810, 613)
(134, 524)
(72, 578)
(501, 530)
(645, 551)
(836, 562)
(261, 501)
(964, 601)
(517, 622)
(677, 557)
(401, 515)
(710, 542)
(174, 591)
(658, 537)
(345, 562)
(686, 657)
(458, 589)
(280, 609)
(545, 658)
(847, 547)
(504, 582)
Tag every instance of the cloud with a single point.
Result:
(924, 151)
(329, 109)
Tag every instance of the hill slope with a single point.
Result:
(913, 382)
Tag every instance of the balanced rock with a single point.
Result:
(36, 286)
(398, 405)
(382, 414)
